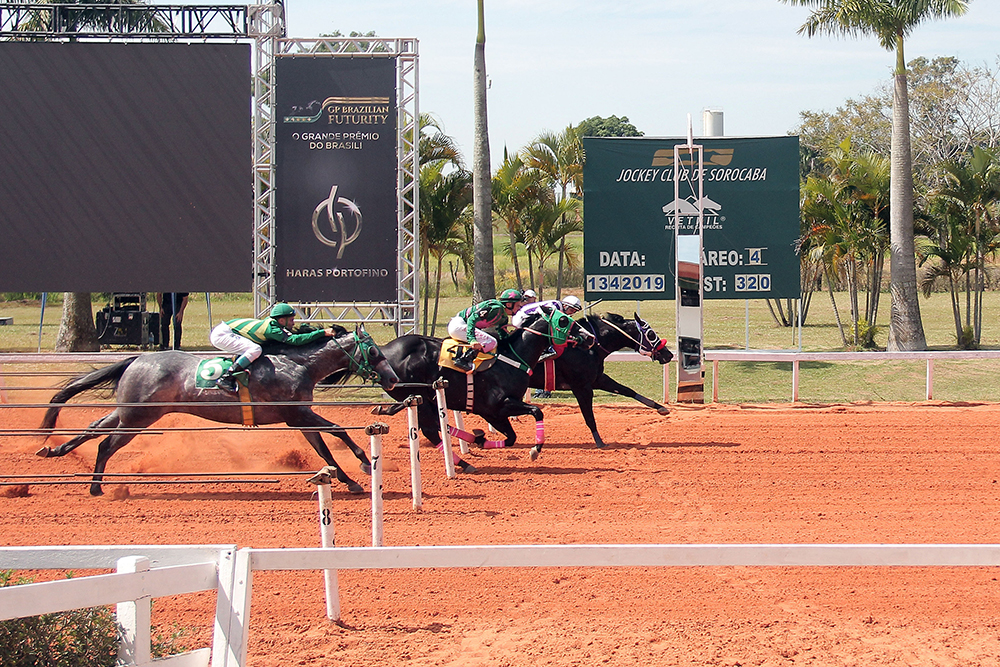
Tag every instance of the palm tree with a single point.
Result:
(444, 197)
(484, 286)
(560, 156)
(891, 21)
(974, 184)
(515, 189)
(946, 251)
(546, 224)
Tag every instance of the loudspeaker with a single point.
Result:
(127, 327)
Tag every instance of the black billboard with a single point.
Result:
(335, 174)
(125, 167)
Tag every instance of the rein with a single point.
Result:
(364, 369)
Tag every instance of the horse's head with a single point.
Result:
(650, 344)
(371, 363)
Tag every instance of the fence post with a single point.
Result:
(442, 406)
(322, 480)
(375, 432)
(413, 433)
(134, 619)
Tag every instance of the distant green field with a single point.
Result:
(728, 324)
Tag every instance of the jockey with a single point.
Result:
(530, 296)
(569, 305)
(468, 325)
(243, 336)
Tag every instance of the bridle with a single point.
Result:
(367, 347)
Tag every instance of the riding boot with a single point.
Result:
(466, 360)
(227, 381)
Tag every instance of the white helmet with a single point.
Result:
(530, 294)
(571, 302)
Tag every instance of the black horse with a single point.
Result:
(498, 390)
(167, 381)
(582, 371)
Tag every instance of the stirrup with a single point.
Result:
(227, 383)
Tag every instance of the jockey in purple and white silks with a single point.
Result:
(569, 305)
(472, 326)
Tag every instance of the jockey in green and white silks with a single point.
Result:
(472, 326)
(243, 336)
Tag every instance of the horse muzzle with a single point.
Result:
(386, 376)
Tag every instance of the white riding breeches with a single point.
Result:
(458, 329)
(226, 340)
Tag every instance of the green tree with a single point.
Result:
(891, 23)
(484, 285)
(612, 126)
(974, 185)
(560, 157)
(515, 188)
(444, 197)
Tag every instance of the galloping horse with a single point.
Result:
(167, 380)
(582, 371)
(498, 391)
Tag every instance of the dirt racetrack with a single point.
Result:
(886, 473)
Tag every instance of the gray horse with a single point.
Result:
(166, 381)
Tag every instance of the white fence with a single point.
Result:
(180, 569)
(795, 358)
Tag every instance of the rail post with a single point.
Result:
(463, 446)
(375, 433)
(439, 386)
(413, 433)
(134, 618)
(322, 480)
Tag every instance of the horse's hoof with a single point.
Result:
(378, 410)
(534, 453)
(44, 452)
(96, 490)
(366, 469)
(468, 468)
(355, 488)
(600, 444)
(663, 411)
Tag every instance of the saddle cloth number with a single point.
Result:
(210, 370)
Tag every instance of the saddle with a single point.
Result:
(210, 370)
(450, 348)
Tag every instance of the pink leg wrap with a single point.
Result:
(455, 458)
(539, 432)
(472, 438)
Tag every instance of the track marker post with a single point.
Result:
(375, 433)
(413, 433)
(322, 480)
(442, 405)
(463, 446)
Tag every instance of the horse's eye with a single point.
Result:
(372, 353)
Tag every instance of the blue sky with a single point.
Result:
(552, 63)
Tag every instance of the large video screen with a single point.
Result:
(125, 167)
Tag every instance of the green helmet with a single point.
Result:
(281, 310)
(510, 296)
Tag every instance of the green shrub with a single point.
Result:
(67, 639)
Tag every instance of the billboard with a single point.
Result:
(125, 167)
(336, 225)
(750, 209)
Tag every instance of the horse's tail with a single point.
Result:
(102, 377)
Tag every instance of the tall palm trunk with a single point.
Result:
(437, 294)
(906, 331)
(484, 285)
(427, 288)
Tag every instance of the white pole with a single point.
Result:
(134, 619)
(930, 378)
(442, 406)
(412, 423)
(375, 432)
(463, 446)
(327, 537)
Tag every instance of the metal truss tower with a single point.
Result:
(402, 314)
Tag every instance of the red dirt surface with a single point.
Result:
(886, 473)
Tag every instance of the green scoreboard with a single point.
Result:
(750, 212)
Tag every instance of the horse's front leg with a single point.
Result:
(604, 383)
(430, 426)
(316, 440)
(585, 399)
(514, 407)
(308, 418)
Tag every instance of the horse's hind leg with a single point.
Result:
(316, 440)
(105, 450)
(585, 399)
(95, 429)
(430, 426)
